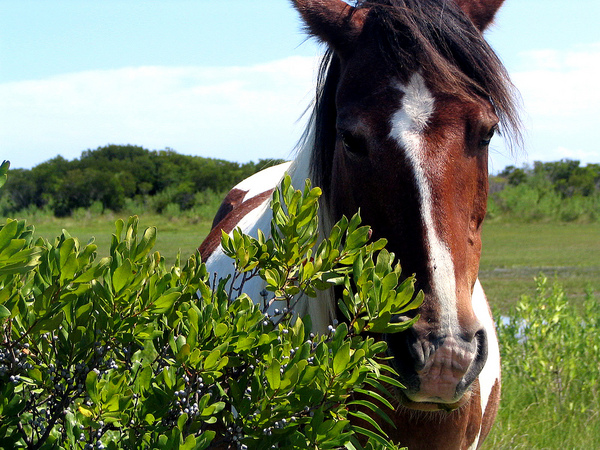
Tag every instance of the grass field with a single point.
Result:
(174, 235)
(513, 254)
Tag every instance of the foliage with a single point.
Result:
(3, 172)
(550, 371)
(114, 173)
(127, 353)
(557, 191)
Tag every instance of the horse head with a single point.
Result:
(409, 99)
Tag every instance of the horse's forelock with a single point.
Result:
(436, 38)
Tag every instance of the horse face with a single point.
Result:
(415, 164)
(413, 159)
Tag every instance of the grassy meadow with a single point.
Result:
(513, 253)
(174, 234)
(551, 398)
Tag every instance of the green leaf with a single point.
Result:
(4, 172)
(69, 268)
(341, 359)
(183, 352)
(372, 435)
(122, 276)
(7, 233)
(221, 329)
(273, 374)
(49, 324)
(4, 312)
(376, 396)
(67, 248)
(373, 408)
(189, 444)
(146, 244)
(21, 262)
(86, 276)
(145, 378)
(413, 304)
(181, 421)
(390, 381)
(205, 439)
(165, 302)
(14, 246)
(119, 225)
(91, 382)
(212, 360)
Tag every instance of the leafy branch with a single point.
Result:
(125, 352)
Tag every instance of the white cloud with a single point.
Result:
(237, 113)
(560, 88)
(247, 113)
(561, 102)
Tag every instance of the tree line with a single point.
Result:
(112, 174)
(562, 190)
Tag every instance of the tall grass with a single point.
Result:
(551, 366)
(524, 203)
(181, 231)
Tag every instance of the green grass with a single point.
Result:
(550, 379)
(174, 234)
(513, 254)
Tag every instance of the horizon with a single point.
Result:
(525, 166)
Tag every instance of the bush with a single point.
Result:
(554, 191)
(127, 353)
(550, 355)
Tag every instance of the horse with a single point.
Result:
(408, 97)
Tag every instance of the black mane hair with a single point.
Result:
(434, 37)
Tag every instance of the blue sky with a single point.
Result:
(231, 78)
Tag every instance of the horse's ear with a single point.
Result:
(481, 12)
(332, 21)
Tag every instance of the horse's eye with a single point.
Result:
(353, 144)
(488, 138)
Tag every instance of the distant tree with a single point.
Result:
(80, 188)
(21, 189)
(514, 175)
(113, 173)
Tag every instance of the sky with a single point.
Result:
(232, 79)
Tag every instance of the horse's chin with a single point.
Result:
(434, 406)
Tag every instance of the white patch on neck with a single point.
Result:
(491, 371)
(263, 181)
(408, 125)
(322, 308)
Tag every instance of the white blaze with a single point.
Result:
(408, 125)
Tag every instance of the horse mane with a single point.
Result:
(433, 37)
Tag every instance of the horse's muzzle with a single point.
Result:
(437, 369)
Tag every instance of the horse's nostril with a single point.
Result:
(478, 362)
(472, 334)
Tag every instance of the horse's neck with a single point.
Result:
(300, 168)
